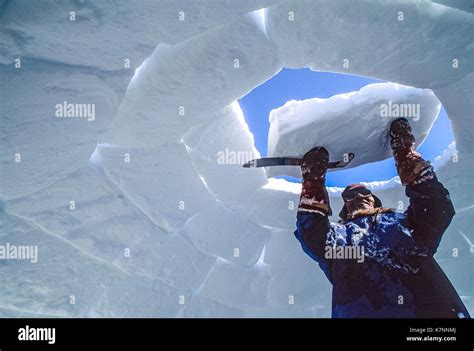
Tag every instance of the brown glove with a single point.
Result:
(411, 168)
(314, 196)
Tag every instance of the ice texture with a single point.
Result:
(132, 213)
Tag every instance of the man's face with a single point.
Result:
(358, 198)
(360, 202)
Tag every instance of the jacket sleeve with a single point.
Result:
(312, 229)
(429, 213)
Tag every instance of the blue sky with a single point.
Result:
(299, 84)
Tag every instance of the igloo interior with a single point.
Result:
(131, 213)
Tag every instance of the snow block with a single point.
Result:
(181, 86)
(226, 234)
(139, 297)
(273, 205)
(63, 274)
(162, 203)
(42, 142)
(177, 262)
(356, 122)
(121, 32)
(407, 42)
(161, 182)
(200, 307)
(236, 286)
(458, 100)
(217, 151)
(284, 250)
(295, 287)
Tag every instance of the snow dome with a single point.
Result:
(130, 211)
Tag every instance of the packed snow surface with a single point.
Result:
(131, 210)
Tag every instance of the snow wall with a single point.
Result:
(131, 212)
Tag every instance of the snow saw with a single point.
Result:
(293, 161)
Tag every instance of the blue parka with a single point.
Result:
(398, 276)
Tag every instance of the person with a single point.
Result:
(397, 276)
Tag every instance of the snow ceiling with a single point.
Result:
(130, 211)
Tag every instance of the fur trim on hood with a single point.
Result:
(370, 212)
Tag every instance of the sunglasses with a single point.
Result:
(351, 194)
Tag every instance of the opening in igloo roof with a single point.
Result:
(302, 84)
